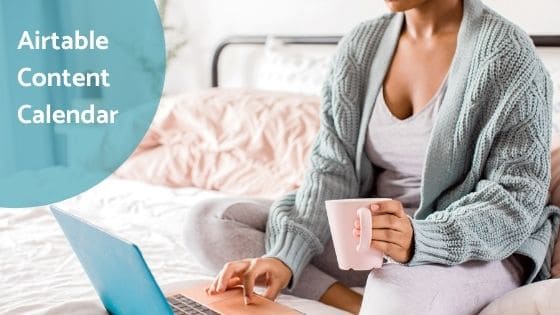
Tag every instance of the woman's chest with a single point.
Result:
(415, 74)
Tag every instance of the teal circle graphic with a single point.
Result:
(80, 82)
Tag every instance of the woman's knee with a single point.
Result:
(381, 297)
(201, 232)
(391, 291)
(200, 215)
(203, 217)
(220, 230)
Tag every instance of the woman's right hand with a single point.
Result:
(271, 272)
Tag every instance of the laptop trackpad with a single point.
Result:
(231, 302)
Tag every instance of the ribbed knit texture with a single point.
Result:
(485, 182)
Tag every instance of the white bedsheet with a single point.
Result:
(39, 273)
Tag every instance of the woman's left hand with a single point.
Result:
(392, 231)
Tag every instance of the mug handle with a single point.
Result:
(364, 214)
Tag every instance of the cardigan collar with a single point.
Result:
(440, 151)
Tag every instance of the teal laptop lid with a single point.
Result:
(115, 267)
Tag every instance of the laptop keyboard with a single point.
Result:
(181, 304)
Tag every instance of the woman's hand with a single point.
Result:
(392, 231)
(271, 272)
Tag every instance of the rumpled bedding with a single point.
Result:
(39, 273)
(240, 141)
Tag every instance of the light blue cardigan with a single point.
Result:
(487, 171)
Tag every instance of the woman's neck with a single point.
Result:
(433, 17)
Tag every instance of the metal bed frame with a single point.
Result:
(538, 40)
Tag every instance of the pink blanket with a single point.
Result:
(243, 142)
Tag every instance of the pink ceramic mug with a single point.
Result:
(351, 253)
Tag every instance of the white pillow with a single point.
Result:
(293, 68)
(534, 299)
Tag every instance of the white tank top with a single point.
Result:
(397, 147)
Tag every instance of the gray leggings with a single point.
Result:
(226, 229)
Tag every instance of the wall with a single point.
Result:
(209, 21)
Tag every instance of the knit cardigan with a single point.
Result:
(487, 170)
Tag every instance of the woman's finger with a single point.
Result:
(386, 235)
(273, 289)
(388, 207)
(224, 275)
(395, 251)
(383, 221)
(229, 270)
(387, 221)
(212, 288)
(380, 245)
(356, 233)
(233, 282)
(249, 280)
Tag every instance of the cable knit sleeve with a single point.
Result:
(297, 228)
(508, 203)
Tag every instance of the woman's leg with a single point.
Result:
(224, 229)
(322, 273)
(436, 289)
(326, 262)
(221, 230)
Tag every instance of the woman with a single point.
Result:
(442, 105)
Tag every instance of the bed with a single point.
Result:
(144, 204)
(39, 274)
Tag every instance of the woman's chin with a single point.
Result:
(402, 5)
(396, 7)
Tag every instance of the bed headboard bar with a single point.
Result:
(261, 40)
(539, 40)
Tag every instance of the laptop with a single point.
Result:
(125, 284)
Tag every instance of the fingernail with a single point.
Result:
(246, 300)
